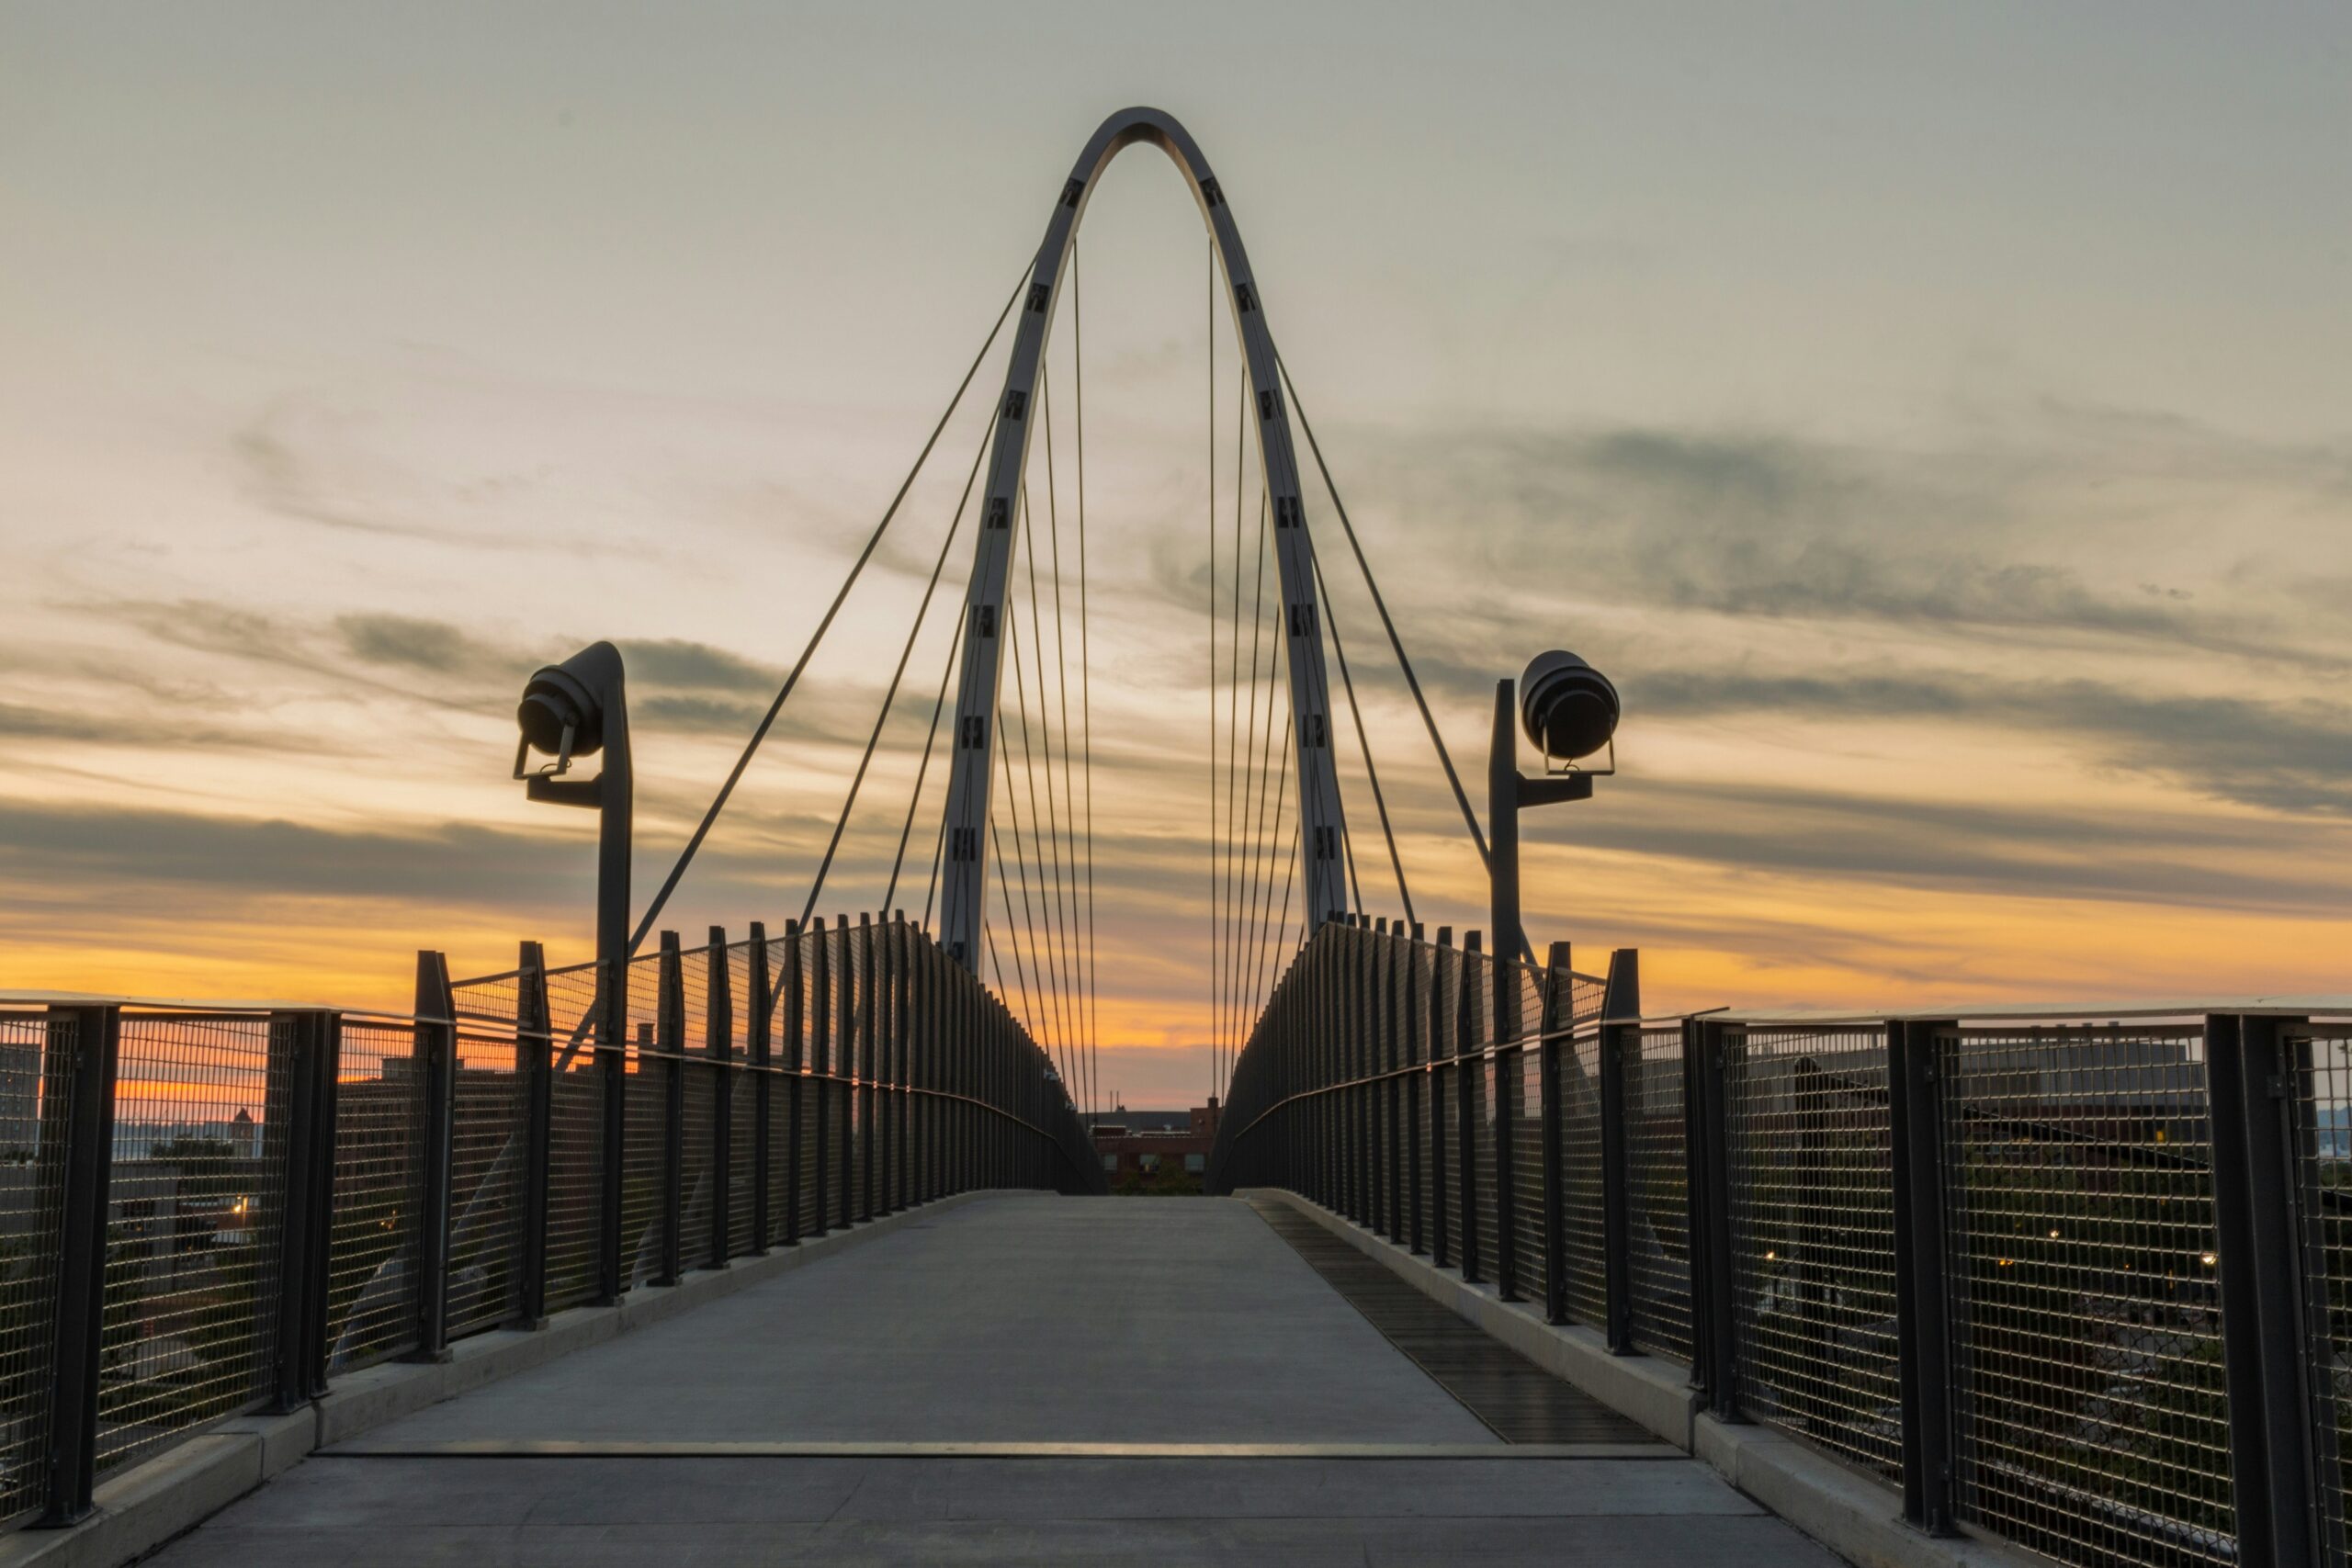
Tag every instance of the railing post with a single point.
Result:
(1467, 1059)
(1392, 1088)
(1706, 1045)
(1440, 1059)
(77, 1131)
(437, 1077)
(1559, 999)
(796, 1080)
(612, 1072)
(1408, 1027)
(820, 1015)
(535, 1058)
(1621, 1037)
(846, 1063)
(894, 1074)
(670, 1042)
(326, 1118)
(761, 1058)
(297, 1043)
(873, 1158)
(2257, 1065)
(719, 1040)
(1510, 1085)
(1917, 1067)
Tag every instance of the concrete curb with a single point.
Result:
(1853, 1515)
(147, 1504)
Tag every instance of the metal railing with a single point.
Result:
(206, 1212)
(2081, 1285)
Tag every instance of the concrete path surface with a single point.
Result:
(1075, 1322)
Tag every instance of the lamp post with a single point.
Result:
(1569, 710)
(575, 709)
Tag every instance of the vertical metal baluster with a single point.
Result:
(670, 1042)
(437, 1077)
(535, 1053)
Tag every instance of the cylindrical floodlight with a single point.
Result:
(1567, 707)
(562, 710)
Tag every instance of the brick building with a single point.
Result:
(1145, 1142)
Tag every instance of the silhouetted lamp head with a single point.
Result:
(1567, 707)
(563, 706)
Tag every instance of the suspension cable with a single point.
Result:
(939, 703)
(1069, 819)
(1363, 743)
(1048, 894)
(718, 803)
(1216, 882)
(890, 696)
(1085, 687)
(1396, 644)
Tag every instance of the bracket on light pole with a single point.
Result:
(1570, 711)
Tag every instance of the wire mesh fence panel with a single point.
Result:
(1483, 1098)
(1812, 1238)
(2093, 1424)
(810, 1091)
(742, 1161)
(1525, 1069)
(575, 1182)
(643, 1160)
(1585, 996)
(576, 1139)
(197, 1192)
(1580, 1227)
(1427, 1099)
(1658, 1241)
(698, 1177)
(2324, 1161)
(372, 1255)
(841, 1197)
(487, 1152)
(37, 1057)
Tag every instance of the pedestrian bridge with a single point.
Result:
(795, 1246)
(1019, 1379)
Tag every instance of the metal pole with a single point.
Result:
(1502, 862)
(612, 1072)
(719, 1040)
(294, 1053)
(762, 1057)
(796, 1083)
(1468, 1059)
(1559, 1007)
(1917, 1057)
(534, 1057)
(669, 1041)
(1711, 1042)
(1621, 1041)
(820, 1014)
(437, 1077)
(1391, 1087)
(1441, 1048)
(1408, 1024)
(326, 1118)
(2256, 1069)
(78, 1137)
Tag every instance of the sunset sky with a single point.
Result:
(1939, 425)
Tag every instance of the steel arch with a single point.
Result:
(1322, 824)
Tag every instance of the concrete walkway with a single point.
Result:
(774, 1426)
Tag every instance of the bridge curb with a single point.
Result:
(1850, 1514)
(157, 1499)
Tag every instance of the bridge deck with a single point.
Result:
(800, 1420)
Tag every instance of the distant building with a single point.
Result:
(1133, 1143)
